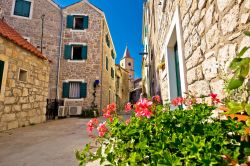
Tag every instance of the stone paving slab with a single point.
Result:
(49, 144)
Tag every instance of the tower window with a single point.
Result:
(129, 64)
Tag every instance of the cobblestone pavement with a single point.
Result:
(48, 144)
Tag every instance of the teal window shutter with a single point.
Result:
(70, 21)
(1, 73)
(22, 8)
(83, 90)
(85, 22)
(67, 51)
(84, 52)
(107, 63)
(65, 90)
(177, 71)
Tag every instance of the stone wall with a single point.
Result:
(108, 83)
(32, 28)
(24, 102)
(90, 69)
(212, 35)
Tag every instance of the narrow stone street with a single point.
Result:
(48, 144)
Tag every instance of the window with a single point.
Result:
(112, 54)
(112, 72)
(75, 52)
(129, 64)
(107, 63)
(23, 74)
(107, 40)
(78, 22)
(22, 8)
(74, 90)
(1, 74)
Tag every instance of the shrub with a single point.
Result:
(154, 135)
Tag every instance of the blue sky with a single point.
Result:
(125, 23)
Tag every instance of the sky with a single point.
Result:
(124, 18)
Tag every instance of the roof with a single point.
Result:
(126, 53)
(9, 33)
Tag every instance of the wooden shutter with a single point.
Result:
(83, 90)
(85, 22)
(70, 21)
(67, 51)
(26, 8)
(1, 73)
(18, 8)
(84, 52)
(65, 90)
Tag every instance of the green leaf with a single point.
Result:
(78, 155)
(248, 122)
(242, 52)
(244, 70)
(235, 83)
(247, 108)
(234, 107)
(235, 63)
(247, 33)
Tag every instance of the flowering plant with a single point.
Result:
(156, 135)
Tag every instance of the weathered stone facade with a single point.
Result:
(122, 86)
(94, 66)
(31, 28)
(23, 102)
(211, 36)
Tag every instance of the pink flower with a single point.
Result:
(102, 129)
(178, 101)
(111, 107)
(128, 107)
(91, 125)
(127, 121)
(142, 108)
(106, 113)
(214, 98)
(156, 98)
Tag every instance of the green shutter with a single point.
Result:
(70, 21)
(26, 8)
(67, 51)
(84, 52)
(1, 73)
(65, 90)
(18, 8)
(85, 22)
(177, 71)
(107, 63)
(83, 90)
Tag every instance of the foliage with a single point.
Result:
(154, 135)
(240, 67)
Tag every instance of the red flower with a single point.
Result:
(92, 124)
(102, 129)
(111, 107)
(128, 107)
(178, 101)
(214, 98)
(142, 108)
(156, 98)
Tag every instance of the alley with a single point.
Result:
(48, 144)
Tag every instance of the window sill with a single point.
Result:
(68, 99)
(77, 61)
(78, 30)
(22, 17)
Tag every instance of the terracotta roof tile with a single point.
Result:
(9, 33)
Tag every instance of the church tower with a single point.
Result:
(127, 62)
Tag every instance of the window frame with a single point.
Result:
(19, 75)
(75, 80)
(78, 15)
(74, 22)
(78, 44)
(72, 53)
(79, 82)
(5, 59)
(23, 17)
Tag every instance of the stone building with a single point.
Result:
(127, 62)
(79, 44)
(24, 79)
(88, 58)
(196, 40)
(122, 86)
(39, 22)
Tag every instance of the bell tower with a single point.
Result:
(127, 62)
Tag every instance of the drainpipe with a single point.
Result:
(60, 55)
(102, 65)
